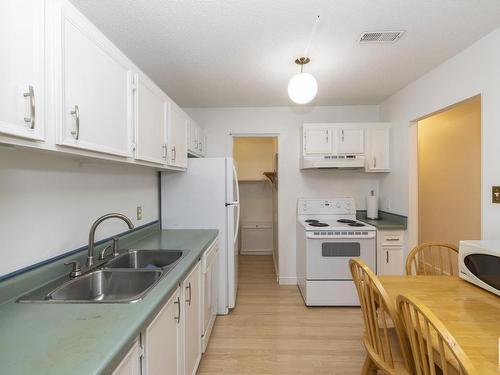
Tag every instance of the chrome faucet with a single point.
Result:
(113, 215)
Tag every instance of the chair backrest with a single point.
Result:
(431, 343)
(377, 309)
(433, 258)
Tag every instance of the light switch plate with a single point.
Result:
(139, 213)
(495, 194)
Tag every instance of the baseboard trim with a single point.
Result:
(287, 280)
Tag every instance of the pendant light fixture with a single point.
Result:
(303, 87)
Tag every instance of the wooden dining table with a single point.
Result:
(471, 314)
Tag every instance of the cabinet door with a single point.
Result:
(317, 140)
(131, 363)
(392, 260)
(209, 294)
(377, 159)
(192, 320)
(94, 88)
(150, 122)
(193, 137)
(163, 339)
(177, 137)
(203, 143)
(351, 141)
(21, 68)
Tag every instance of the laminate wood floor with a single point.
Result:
(271, 331)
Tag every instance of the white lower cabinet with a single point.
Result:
(390, 252)
(210, 292)
(162, 339)
(171, 343)
(192, 320)
(392, 260)
(131, 363)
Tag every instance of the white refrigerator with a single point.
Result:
(206, 196)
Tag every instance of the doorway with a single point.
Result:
(256, 161)
(449, 174)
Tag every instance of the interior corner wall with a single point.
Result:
(220, 123)
(473, 71)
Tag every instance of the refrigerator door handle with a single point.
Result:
(237, 226)
(236, 203)
(233, 204)
(235, 176)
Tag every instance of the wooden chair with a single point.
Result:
(431, 343)
(433, 258)
(387, 346)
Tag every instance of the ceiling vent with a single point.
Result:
(381, 36)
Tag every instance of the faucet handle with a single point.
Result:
(102, 254)
(115, 245)
(76, 270)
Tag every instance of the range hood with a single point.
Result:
(333, 162)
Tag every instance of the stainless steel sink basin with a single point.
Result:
(107, 286)
(146, 259)
(124, 279)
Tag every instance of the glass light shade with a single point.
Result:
(302, 88)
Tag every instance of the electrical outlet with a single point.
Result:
(495, 194)
(139, 213)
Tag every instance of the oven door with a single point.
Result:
(328, 259)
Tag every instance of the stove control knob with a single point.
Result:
(338, 205)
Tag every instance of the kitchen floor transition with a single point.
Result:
(271, 331)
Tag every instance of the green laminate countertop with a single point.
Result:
(386, 221)
(44, 338)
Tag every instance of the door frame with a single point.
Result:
(413, 216)
(276, 135)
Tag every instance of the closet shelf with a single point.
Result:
(272, 176)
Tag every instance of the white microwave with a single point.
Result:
(479, 264)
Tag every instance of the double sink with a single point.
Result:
(126, 278)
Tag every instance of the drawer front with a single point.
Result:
(391, 238)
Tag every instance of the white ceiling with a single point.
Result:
(225, 53)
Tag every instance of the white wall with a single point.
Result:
(48, 202)
(293, 183)
(473, 71)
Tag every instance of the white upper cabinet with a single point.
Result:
(150, 121)
(176, 137)
(93, 87)
(197, 139)
(350, 140)
(317, 140)
(193, 137)
(377, 154)
(22, 68)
